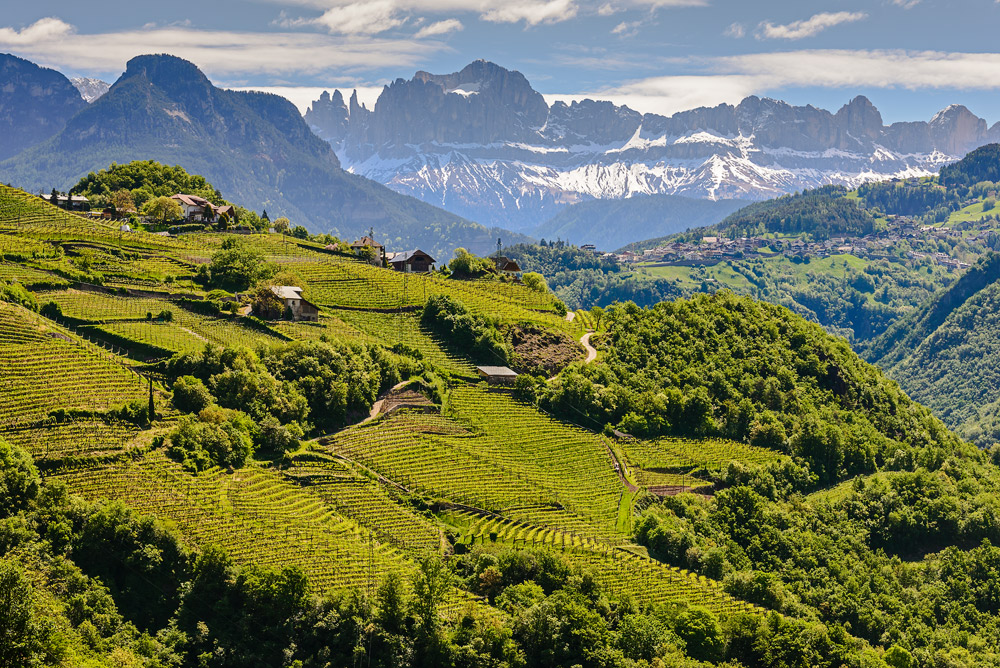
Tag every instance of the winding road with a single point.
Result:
(591, 351)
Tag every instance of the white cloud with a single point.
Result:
(730, 79)
(41, 30)
(359, 18)
(735, 30)
(626, 28)
(532, 13)
(607, 9)
(657, 4)
(439, 28)
(909, 4)
(809, 27)
(217, 52)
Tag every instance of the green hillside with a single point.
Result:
(945, 352)
(180, 475)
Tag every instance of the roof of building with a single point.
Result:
(71, 198)
(366, 241)
(405, 256)
(506, 264)
(501, 371)
(287, 291)
(191, 200)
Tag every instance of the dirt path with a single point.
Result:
(377, 406)
(591, 351)
(194, 334)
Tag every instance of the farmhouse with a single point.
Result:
(497, 375)
(195, 207)
(70, 202)
(412, 261)
(292, 297)
(364, 242)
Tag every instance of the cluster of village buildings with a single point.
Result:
(711, 250)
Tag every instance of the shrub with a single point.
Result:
(213, 439)
(15, 293)
(191, 395)
(19, 480)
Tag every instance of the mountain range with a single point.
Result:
(484, 144)
(254, 147)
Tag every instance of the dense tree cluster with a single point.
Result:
(747, 370)
(475, 335)
(235, 267)
(980, 165)
(905, 558)
(143, 180)
(243, 402)
(946, 353)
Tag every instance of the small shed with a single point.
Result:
(412, 261)
(292, 297)
(497, 375)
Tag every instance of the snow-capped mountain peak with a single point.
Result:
(483, 144)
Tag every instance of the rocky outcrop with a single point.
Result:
(35, 103)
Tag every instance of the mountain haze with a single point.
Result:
(483, 143)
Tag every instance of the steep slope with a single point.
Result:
(482, 143)
(35, 103)
(253, 146)
(609, 224)
(946, 355)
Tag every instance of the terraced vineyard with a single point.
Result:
(129, 318)
(84, 437)
(253, 513)
(392, 328)
(43, 367)
(482, 471)
(367, 503)
(496, 454)
(618, 570)
(679, 453)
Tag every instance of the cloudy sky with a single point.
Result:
(910, 57)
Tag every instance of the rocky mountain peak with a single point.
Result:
(167, 72)
(957, 130)
(329, 116)
(861, 119)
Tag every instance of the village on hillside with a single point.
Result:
(710, 250)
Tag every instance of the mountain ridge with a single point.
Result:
(482, 143)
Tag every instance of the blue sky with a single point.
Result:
(910, 57)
